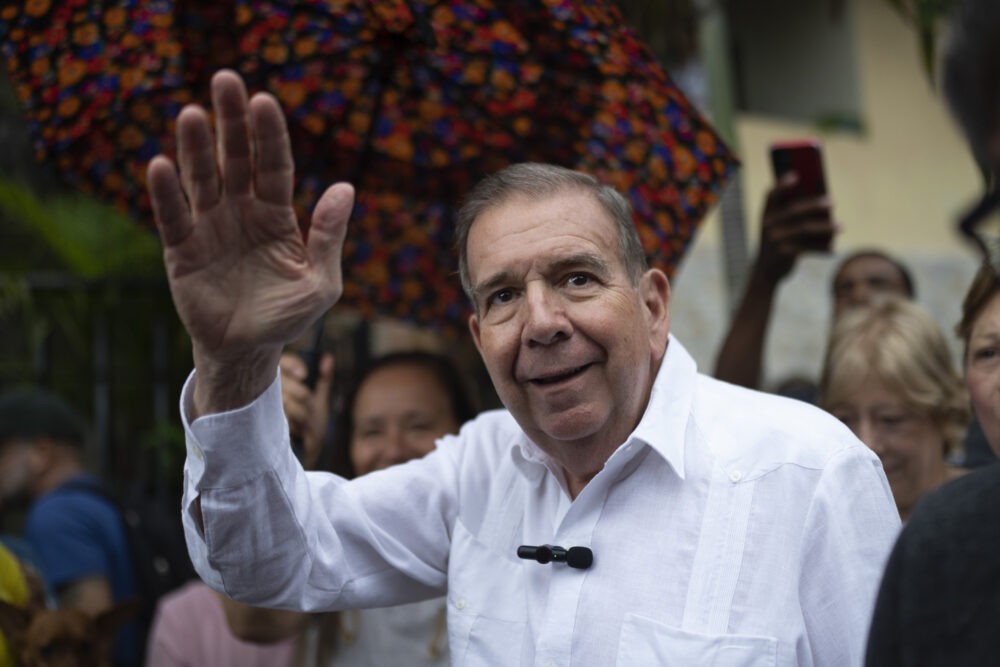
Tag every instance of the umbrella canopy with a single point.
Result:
(411, 101)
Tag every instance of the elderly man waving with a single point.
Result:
(664, 517)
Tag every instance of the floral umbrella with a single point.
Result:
(411, 101)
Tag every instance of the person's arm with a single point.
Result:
(308, 412)
(265, 532)
(245, 280)
(260, 625)
(789, 228)
(851, 526)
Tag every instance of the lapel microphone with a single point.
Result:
(579, 557)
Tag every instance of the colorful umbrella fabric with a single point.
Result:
(411, 101)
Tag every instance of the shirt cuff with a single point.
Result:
(230, 448)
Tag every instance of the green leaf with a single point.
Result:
(90, 238)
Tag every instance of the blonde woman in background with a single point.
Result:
(889, 376)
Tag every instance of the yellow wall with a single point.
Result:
(901, 183)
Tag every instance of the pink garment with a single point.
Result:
(190, 630)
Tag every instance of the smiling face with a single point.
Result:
(982, 370)
(571, 345)
(399, 411)
(907, 440)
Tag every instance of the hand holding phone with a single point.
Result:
(797, 214)
(805, 158)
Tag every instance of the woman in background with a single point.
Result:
(889, 376)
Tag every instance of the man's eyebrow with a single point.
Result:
(493, 282)
(584, 260)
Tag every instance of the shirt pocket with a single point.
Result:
(487, 607)
(645, 642)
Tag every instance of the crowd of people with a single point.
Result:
(622, 508)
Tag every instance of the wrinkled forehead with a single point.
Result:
(518, 212)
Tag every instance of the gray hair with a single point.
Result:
(971, 71)
(535, 180)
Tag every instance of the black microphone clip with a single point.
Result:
(578, 557)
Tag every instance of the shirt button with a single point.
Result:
(196, 452)
(460, 604)
(735, 476)
(550, 664)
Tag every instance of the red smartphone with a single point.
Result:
(805, 158)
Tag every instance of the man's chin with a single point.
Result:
(570, 426)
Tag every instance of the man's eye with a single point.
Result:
(501, 297)
(578, 280)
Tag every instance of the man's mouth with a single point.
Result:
(559, 377)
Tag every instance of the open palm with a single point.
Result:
(244, 278)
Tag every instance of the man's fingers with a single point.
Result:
(196, 156)
(170, 209)
(229, 99)
(275, 169)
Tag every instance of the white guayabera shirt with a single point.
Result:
(731, 528)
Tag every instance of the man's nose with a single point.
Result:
(546, 321)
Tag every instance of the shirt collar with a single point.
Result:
(664, 423)
(662, 427)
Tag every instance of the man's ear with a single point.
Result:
(474, 330)
(654, 290)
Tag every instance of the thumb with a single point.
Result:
(328, 228)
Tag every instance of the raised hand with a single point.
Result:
(791, 226)
(244, 278)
